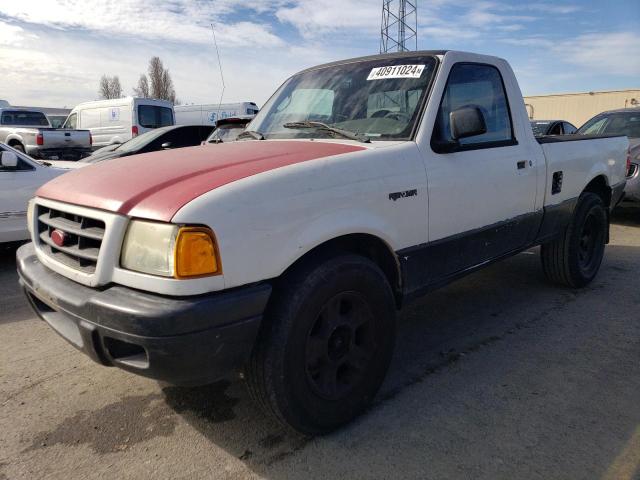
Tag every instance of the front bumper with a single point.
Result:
(179, 340)
(69, 153)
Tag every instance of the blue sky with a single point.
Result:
(54, 52)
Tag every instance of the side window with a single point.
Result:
(556, 129)
(184, 137)
(22, 163)
(72, 121)
(475, 85)
(568, 128)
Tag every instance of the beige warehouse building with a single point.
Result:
(577, 108)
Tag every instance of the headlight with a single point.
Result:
(170, 250)
(30, 207)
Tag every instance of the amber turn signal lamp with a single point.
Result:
(196, 253)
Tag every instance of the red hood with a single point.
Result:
(156, 185)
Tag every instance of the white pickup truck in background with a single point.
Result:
(29, 131)
(285, 255)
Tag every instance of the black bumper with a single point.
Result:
(60, 153)
(617, 194)
(183, 341)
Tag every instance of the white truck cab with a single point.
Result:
(284, 255)
(120, 119)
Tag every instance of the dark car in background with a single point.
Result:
(228, 129)
(163, 138)
(625, 121)
(552, 127)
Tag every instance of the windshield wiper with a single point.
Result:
(329, 128)
(251, 133)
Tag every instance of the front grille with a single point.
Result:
(82, 238)
(633, 168)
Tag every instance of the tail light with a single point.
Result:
(39, 139)
(90, 139)
(134, 131)
(628, 161)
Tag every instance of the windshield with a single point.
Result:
(17, 117)
(152, 116)
(226, 133)
(540, 128)
(623, 123)
(380, 99)
(57, 120)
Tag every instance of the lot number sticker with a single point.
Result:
(114, 114)
(396, 71)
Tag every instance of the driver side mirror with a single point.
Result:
(8, 160)
(166, 145)
(467, 122)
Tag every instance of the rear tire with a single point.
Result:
(19, 147)
(574, 258)
(326, 344)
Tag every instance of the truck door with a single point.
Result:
(482, 188)
(17, 185)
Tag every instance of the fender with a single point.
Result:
(264, 223)
(14, 136)
(333, 225)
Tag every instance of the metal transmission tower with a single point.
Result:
(399, 31)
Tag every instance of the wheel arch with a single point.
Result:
(600, 186)
(12, 140)
(365, 244)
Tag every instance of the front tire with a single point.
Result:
(575, 257)
(326, 344)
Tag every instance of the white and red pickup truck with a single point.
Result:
(284, 256)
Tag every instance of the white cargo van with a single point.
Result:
(120, 119)
(209, 114)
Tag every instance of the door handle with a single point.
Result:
(522, 164)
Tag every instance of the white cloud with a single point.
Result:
(59, 49)
(179, 21)
(318, 17)
(614, 53)
(13, 34)
(557, 8)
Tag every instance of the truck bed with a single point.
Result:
(571, 138)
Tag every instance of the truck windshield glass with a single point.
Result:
(16, 117)
(379, 99)
(614, 124)
(152, 116)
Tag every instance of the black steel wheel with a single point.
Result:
(326, 343)
(574, 258)
(340, 346)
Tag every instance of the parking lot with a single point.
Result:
(499, 375)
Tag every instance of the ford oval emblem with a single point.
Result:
(59, 237)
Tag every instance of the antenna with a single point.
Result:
(399, 25)
(221, 75)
